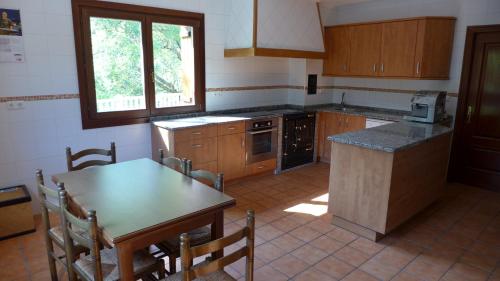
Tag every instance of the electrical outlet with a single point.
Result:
(15, 105)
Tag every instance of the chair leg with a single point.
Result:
(171, 263)
(52, 261)
(161, 270)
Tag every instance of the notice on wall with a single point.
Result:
(11, 36)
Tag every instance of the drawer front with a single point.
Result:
(195, 133)
(231, 128)
(198, 150)
(260, 167)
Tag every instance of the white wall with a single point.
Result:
(35, 137)
(467, 12)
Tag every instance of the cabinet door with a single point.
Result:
(354, 123)
(365, 49)
(231, 155)
(337, 50)
(333, 126)
(399, 40)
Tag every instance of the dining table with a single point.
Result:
(141, 202)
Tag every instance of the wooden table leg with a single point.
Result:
(218, 232)
(125, 261)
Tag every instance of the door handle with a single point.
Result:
(469, 114)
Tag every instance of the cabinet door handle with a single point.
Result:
(418, 68)
(242, 142)
(374, 67)
(197, 145)
(196, 133)
(469, 114)
(344, 67)
(382, 68)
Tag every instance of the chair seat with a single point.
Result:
(198, 236)
(219, 275)
(143, 263)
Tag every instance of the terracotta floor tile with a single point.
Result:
(268, 232)
(352, 256)
(359, 275)
(320, 226)
(403, 276)
(342, 235)
(426, 271)
(366, 246)
(287, 242)
(305, 233)
(467, 272)
(267, 273)
(398, 254)
(289, 265)
(334, 267)
(267, 252)
(309, 254)
(327, 244)
(484, 262)
(380, 270)
(285, 224)
(313, 275)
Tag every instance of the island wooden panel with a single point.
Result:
(372, 192)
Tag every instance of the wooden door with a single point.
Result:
(354, 123)
(399, 41)
(365, 49)
(337, 50)
(333, 126)
(477, 140)
(231, 155)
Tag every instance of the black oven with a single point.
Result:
(261, 139)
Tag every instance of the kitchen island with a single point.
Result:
(380, 177)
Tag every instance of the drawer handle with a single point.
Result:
(261, 167)
(197, 145)
(231, 128)
(196, 133)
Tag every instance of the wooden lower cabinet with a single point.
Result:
(198, 151)
(209, 166)
(333, 123)
(261, 167)
(231, 155)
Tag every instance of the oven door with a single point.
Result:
(261, 145)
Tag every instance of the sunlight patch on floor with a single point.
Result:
(310, 209)
(323, 198)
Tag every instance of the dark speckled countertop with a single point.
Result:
(392, 137)
(174, 122)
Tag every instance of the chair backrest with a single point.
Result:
(173, 162)
(70, 158)
(216, 180)
(82, 231)
(48, 198)
(188, 254)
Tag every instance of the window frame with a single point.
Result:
(83, 10)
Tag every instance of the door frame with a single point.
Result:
(460, 116)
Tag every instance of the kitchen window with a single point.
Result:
(136, 62)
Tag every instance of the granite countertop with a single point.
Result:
(392, 137)
(368, 112)
(215, 117)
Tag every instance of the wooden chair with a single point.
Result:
(212, 270)
(173, 162)
(200, 235)
(70, 158)
(53, 235)
(100, 264)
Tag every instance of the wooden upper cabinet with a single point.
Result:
(364, 49)
(416, 48)
(434, 48)
(337, 50)
(399, 41)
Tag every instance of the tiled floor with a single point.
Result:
(458, 238)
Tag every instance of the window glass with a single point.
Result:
(173, 55)
(117, 55)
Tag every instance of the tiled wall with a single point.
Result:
(467, 12)
(35, 137)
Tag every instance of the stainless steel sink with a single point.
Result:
(347, 109)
